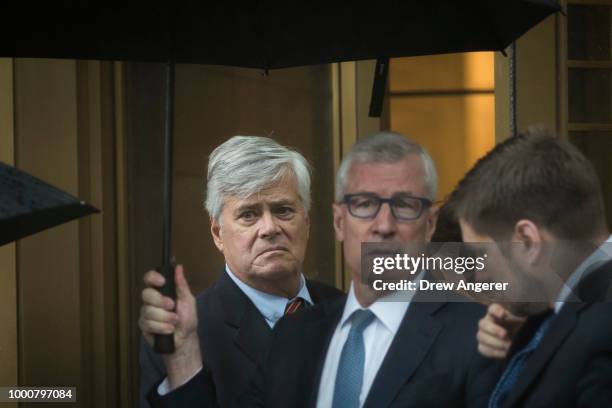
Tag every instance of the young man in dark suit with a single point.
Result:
(258, 196)
(537, 201)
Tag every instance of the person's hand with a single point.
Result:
(162, 315)
(496, 331)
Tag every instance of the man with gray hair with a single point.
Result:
(258, 197)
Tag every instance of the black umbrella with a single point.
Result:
(261, 34)
(30, 205)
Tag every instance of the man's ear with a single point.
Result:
(215, 231)
(338, 213)
(529, 235)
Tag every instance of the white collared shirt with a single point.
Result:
(598, 257)
(377, 338)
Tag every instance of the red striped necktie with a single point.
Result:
(295, 305)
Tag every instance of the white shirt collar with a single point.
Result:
(590, 264)
(271, 307)
(389, 310)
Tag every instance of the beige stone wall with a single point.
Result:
(445, 103)
(60, 285)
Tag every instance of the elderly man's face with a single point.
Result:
(385, 180)
(263, 237)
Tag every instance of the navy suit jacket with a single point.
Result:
(233, 339)
(432, 361)
(572, 366)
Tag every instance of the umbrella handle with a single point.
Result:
(164, 343)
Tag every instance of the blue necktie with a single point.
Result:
(516, 364)
(349, 377)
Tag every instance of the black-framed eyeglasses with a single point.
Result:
(404, 207)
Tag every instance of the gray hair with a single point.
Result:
(244, 165)
(386, 147)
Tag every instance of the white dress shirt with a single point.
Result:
(271, 307)
(377, 337)
(596, 259)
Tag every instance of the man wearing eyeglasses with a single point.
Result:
(377, 350)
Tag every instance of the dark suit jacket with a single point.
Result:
(595, 384)
(571, 364)
(432, 361)
(233, 339)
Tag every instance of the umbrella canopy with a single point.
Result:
(29, 205)
(264, 34)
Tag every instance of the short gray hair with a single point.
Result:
(386, 147)
(244, 165)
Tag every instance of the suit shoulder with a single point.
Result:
(469, 308)
(592, 318)
(599, 309)
(218, 299)
(321, 291)
(295, 322)
(205, 297)
(462, 312)
(222, 287)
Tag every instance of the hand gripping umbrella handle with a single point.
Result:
(164, 343)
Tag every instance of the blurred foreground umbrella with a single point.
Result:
(259, 34)
(29, 205)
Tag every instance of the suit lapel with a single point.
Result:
(253, 334)
(240, 314)
(559, 329)
(410, 345)
(322, 327)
